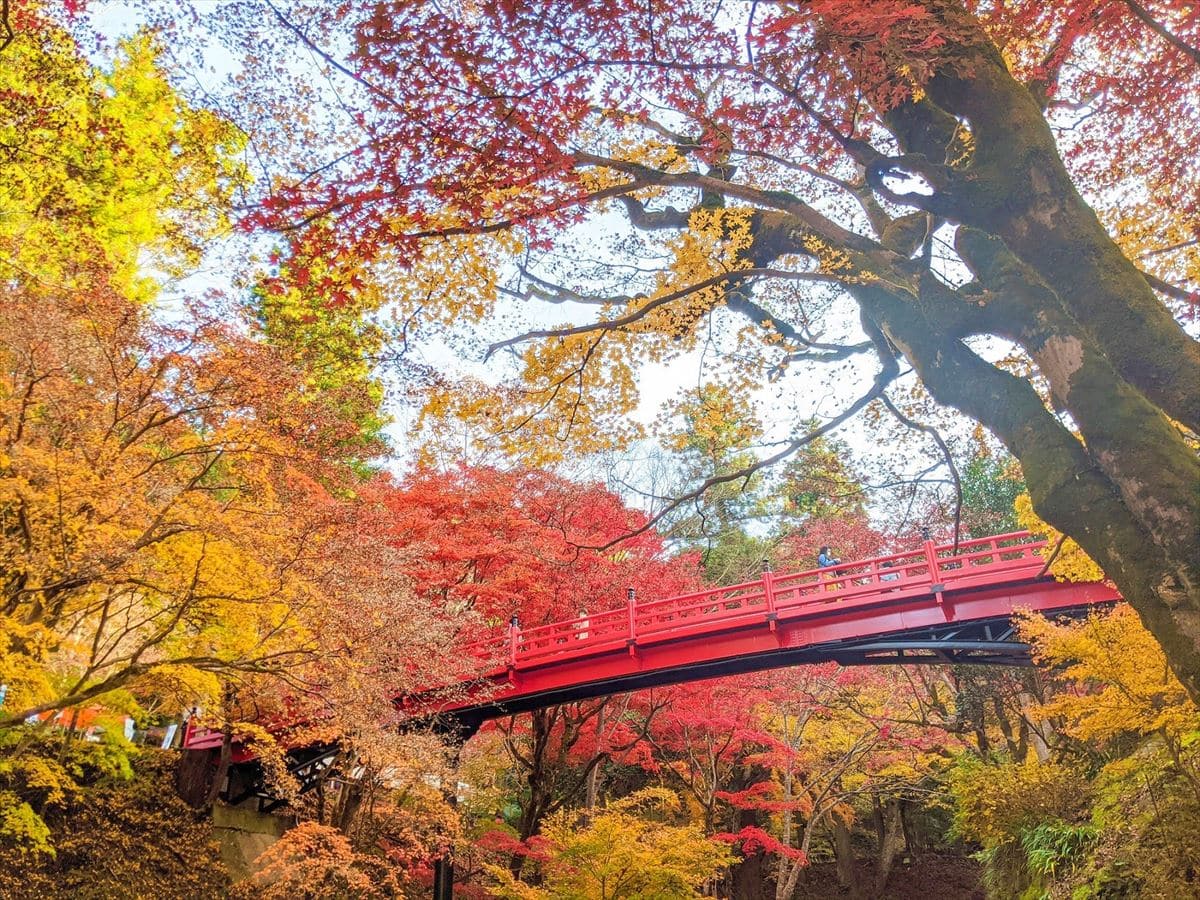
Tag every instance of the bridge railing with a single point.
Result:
(930, 569)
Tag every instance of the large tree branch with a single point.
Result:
(730, 278)
(654, 220)
(1125, 434)
(944, 201)
(1173, 291)
(739, 302)
(1161, 30)
(780, 200)
(1023, 193)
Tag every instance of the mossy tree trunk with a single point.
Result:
(1122, 480)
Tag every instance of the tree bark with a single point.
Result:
(1018, 188)
(843, 850)
(1117, 360)
(1066, 484)
(889, 844)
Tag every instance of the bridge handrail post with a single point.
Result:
(935, 581)
(631, 610)
(768, 582)
(514, 639)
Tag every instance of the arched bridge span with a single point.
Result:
(934, 604)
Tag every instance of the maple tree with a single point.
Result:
(493, 544)
(523, 542)
(188, 514)
(954, 169)
(314, 860)
(629, 849)
(179, 517)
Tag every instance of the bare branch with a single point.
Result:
(1062, 539)
(9, 34)
(780, 200)
(1161, 250)
(1171, 290)
(946, 454)
(734, 277)
(740, 303)
(885, 377)
(1161, 30)
(550, 292)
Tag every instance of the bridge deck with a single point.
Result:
(938, 603)
(934, 604)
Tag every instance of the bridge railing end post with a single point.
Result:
(768, 582)
(631, 614)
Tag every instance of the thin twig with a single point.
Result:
(9, 34)
(885, 377)
(937, 438)
(1062, 539)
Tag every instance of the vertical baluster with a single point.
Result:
(514, 638)
(931, 560)
(631, 606)
(768, 581)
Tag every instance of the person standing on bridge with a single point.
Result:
(826, 560)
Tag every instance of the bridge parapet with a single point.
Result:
(938, 603)
(931, 569)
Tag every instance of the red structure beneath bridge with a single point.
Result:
(936, 604)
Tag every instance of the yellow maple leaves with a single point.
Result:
(1124, 684)
(575, 389)
(1071, 562)
(106, 166)
(631, 849)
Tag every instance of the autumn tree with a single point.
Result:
(1113, 806)
(954, 170)
(313, 860)
(635, 847)
(523, 542)
(180, 510)
(108, 169)
(492, 544)
(990, 487)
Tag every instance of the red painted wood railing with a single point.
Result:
(868, 586)
(931, 569)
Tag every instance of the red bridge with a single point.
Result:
(937, 604)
